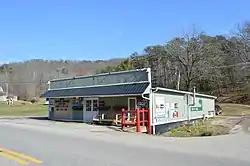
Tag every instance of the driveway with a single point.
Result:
(55, 143)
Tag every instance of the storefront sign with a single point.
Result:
(161, 110)
(174, 110)
(199, 107)
(61, 105)
(165, 111)
(101, 103)
(142, 104)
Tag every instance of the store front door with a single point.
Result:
(90, 109)
(131, 108)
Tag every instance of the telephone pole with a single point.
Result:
(7, 89)
(178, 78)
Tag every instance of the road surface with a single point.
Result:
(33, 142)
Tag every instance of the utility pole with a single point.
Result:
(178, 78)
(8, 72)
(7, 89)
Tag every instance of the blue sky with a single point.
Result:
(104, 29)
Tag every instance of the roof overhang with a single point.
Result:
(99, 91)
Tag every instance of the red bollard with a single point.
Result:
(138, 123)
(149, 122)
(123, 118)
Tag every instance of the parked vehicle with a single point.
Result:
(218, 109)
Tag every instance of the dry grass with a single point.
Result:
(199, 129)
(235, 109)
(215, 126)
(22, 108)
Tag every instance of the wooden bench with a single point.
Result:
(108, 116)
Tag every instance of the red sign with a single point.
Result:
(175, 114)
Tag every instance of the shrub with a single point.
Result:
(34, 100)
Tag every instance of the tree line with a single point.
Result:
(213, 64)
(29, 79)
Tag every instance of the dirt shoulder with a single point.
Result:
(245, 124)
(233, 123)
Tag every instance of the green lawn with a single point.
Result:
(22, 108)
(235, 109)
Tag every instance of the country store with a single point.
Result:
(101, 98)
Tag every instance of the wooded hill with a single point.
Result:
(216, 65)
(29, 79)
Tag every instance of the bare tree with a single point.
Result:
(29, 79)
(243, 42)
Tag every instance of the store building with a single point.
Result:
(102, 97)
(84, 98)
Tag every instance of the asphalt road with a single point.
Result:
(78, 145)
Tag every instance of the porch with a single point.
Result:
(110, 109)
(103, 110)
(97, 104)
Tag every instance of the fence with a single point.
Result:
(141, 117)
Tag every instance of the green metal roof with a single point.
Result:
(131, 76)
(119, 89)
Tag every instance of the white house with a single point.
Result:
(4, 96)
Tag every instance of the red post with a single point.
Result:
(138, 123)
(123, 118)
(149, 122)
(143, 117)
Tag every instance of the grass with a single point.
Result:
(219, 125)
(21, 108)
(199, 129)
(235, 109)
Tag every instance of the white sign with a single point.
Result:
(161, 110)
(160, 106)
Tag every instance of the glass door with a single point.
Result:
(91, 109)
(131, 108)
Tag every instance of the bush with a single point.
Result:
(34, 100)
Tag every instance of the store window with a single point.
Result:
(88, 105)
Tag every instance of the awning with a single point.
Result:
(121, 89)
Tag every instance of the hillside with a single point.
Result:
(235, 98)
(28, 79)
